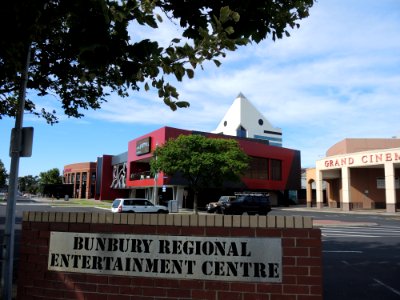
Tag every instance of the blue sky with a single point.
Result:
(336, 77)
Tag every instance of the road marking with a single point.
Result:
(386, 286)
(378, 281)
(352, 235)
(361, 232)
(342, 251)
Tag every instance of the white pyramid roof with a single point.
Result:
(243, 113)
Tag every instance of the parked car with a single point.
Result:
(215, 207)
(136, 205)
(250, 203)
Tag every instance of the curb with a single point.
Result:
(334, 223)
(380, 212)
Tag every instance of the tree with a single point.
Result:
(29, 184)
(50, 177)
(82, 50)
(3, 175)
(203, 162)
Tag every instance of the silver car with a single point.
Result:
(136, 205)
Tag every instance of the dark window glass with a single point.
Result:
(276, 169)
(258, 168)
(241, 132)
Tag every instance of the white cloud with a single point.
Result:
(337, 76)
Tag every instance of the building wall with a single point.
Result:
(157, 138)
(334, 193)
(72, 172)
(106, 175)
(290, 179)
(243, 113)
(301, 257)
(364, 192)
(366, 179)
(359, 145)
(138, 163)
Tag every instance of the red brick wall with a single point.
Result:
(301, 251)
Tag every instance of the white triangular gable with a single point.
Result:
(243, 115)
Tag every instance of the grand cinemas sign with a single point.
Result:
(209, 258)
(362, 159)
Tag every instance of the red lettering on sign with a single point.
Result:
(396, 156)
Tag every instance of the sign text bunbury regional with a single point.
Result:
(209, 258)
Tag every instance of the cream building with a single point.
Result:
(359, 174)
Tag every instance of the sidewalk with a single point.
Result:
(339, 210)
(336, 223)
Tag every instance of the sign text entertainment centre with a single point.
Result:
(207, 258)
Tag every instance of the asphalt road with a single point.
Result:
(361, 257)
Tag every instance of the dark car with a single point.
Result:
(215, 207)
(250, 203)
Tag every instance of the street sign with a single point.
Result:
(26, 141)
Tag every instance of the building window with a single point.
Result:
(264, 168)
(380, 183)
(276, 169)
(260, 122)
(258, 168)
(241, 132)
(225, 123)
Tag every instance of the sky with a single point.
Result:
(336, 77)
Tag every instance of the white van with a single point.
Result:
(136, 205)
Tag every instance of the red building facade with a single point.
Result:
(272, 169)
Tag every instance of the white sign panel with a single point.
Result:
(209, 258)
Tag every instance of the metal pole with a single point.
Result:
(15, 150)
(155, 191)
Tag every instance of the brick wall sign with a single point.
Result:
(105, 256)
(179, 257)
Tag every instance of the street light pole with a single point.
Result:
(15, 153)
(155, 188)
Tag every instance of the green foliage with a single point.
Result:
(3, 175)
(83, 50)
(28, 184)
(50, 177)
(203, 162)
